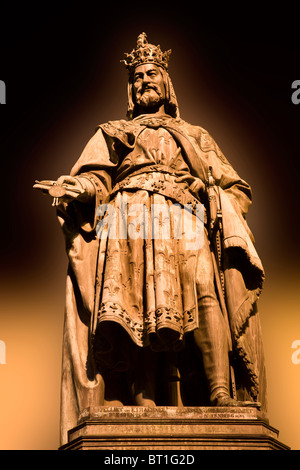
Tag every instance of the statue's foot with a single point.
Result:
(226, 400)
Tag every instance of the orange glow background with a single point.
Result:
(63, 77)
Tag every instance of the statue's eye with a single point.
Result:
(138, 77)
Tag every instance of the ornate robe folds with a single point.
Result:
(134, 268)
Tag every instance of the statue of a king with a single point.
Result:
(163, 276)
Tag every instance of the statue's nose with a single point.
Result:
(146, 79)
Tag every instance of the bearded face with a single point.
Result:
(148, 86)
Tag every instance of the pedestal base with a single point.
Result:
(171, 428)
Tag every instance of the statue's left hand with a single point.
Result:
(195, 185)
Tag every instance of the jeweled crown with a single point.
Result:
(145, 53)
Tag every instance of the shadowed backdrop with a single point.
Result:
(232, 72)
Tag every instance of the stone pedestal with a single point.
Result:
(171, 428)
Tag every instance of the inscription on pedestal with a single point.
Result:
(161, 428)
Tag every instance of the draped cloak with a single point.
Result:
(82, 383)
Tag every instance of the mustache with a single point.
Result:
(146, 87)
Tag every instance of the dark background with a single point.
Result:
(232, 68)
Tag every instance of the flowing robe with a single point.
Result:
(146, 285)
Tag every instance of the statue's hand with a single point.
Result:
(67, 188)
(195, 185)
(73, 186)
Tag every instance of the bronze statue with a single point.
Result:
(154, 316)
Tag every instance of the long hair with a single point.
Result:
(171, 104)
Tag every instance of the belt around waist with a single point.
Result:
(159, 182)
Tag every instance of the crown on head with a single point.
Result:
(146, 53)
